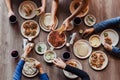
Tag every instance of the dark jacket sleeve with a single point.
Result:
(18, 71)
(110, 23)
(116, 51)
(82, 74)
(43, 76)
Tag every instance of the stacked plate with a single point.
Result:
(45, 22)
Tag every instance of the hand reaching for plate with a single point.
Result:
(107, 47)
(66, 23)
(10, 13)
(87, 32)
(52, 25)
(59, 63)
(38, 65)
(40, 10)
(28, 48)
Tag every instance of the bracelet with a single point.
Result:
(23, 57)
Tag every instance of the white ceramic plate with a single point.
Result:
(105, 63)
(23, 14)
(48, 57)
(72, 8)
(90, 20)
(112, 34)
(45, 21)
(58, 46)
(77, 44)
(43, 47)
(30, 37)
(28, 61)
(70, 75)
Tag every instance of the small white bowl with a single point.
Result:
(49, 55)
(43, 47)
(88, 21)
(96, 44)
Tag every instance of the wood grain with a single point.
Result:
(11, 38)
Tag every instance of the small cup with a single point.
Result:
(66, 55)
(14, 54)
(12, 19)
(77, 21)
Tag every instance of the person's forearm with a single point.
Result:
(54, 8)
(44, 4)
(18, 71)
(8, 4)
(75, 13)
(43, 76)
(84, 4)
(110, 23)
(83, 75)
(41, 71)
(116, 51)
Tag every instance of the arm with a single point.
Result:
(114, 22)
(113, 50)
(10, 11)
(78, 72)
(42, 74)
(53, 13)
(8, 3)
(54, 9)
(82, 5)
(18, 71)
(41, 9)
(43, 4)
(110, 23)
(59, 63)
(116, 51)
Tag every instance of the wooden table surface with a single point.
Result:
(11, 38)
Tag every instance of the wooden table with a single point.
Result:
(11, 38)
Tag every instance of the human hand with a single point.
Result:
(67, 23)
(59, 63)
(40, 10)
(38, 65)
(108, 47)
(10, 13)
(52, 25)
(28, 48)
(87, 32)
